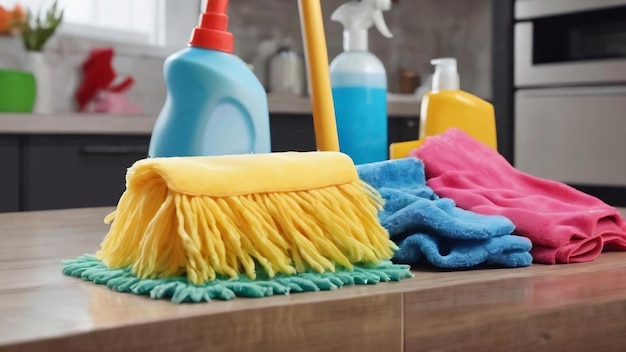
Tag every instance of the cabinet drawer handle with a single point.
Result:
(114, 149)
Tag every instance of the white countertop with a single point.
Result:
(73, 123)
(76, 124)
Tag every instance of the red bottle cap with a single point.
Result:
(212, 31)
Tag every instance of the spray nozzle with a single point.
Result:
(212, 31)
(446, 75)
(381, 25)
(357, 17)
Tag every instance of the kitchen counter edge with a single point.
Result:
(102, 124)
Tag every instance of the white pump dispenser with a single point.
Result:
(357, 17)
(446, 75)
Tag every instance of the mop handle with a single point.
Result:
(316, 54)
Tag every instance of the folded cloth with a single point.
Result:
(427, 227)
(564, 224)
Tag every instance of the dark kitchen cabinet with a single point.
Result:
(292, 133)
(44, 172)
(503, 75)
(9, 174)
(78, 171)
(296, 133)
(403, 129)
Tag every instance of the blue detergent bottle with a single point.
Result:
(215, 104)
(359, 83)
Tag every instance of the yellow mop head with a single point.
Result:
(202, 220)
(208, 216)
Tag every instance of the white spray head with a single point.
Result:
(357, 17)
(446, 75)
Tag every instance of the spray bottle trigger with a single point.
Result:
(379, 21)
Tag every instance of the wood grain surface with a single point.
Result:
(577, 307)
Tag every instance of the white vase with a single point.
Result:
(36, 63)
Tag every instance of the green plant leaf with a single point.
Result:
(36, 30)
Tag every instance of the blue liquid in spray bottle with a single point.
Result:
(359, 83)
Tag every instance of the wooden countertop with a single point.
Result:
(71, 123)
(577, 307)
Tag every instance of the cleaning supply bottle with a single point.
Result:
(446, 106)
(359, 83)
(286, 71)
(215, 104)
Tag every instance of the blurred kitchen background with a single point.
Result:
(554, 70)
(143, 37)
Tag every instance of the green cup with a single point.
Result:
(17, 91)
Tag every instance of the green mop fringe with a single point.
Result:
(179, 290)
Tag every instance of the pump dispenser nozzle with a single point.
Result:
(357, 17)
(212, 31)
(446, 75)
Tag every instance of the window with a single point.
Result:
(146, 22)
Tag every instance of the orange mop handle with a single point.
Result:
(316, 54)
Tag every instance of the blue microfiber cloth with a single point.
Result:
(429, 228)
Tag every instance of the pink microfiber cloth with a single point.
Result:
(564, 224)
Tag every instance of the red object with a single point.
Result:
(565, 225)
(212, 31)
(98, 75)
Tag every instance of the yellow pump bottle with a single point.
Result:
(447, 106)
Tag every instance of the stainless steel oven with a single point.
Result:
(570, 93)
(565, 42)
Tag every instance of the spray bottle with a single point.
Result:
(359, 83)
(215, 104)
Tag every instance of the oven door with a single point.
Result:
(573, 135)
(570, 42)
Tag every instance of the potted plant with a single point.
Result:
(35, 31)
